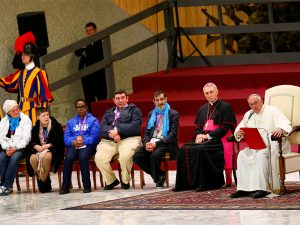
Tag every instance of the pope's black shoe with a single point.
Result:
(112, 185)
(260, 194)
(239, 194)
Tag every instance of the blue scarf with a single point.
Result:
(152, 120)
(13, 122)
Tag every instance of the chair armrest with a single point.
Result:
(295, 128)
(231, 138)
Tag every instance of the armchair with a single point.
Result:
(287, 99)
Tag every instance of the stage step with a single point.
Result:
(184, 89)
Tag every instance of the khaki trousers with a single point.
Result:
(124, 149)
(46, 165)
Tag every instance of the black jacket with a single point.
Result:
(128, 124)
(171, 139)
(90, 54)
(55, 137)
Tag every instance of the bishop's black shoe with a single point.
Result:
(176, 189)
(201, 189)
(160, 182)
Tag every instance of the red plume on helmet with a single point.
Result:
(22, 40)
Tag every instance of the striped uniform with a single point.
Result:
(33, 89)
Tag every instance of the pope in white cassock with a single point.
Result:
(254, 166)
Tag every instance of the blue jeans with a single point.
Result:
(9, 167)
(83, 155)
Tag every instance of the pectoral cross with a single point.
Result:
(206, 125)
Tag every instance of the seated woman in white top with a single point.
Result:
(15, 134)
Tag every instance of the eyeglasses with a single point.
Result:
(81, 107)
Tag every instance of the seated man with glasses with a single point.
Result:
(81, 137)
(160, 137)
(121, 132)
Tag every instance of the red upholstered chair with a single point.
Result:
(230, 158)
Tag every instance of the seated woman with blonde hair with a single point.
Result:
(15, 133)
(46, 148)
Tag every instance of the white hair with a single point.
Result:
(257, 96)
(210, 84)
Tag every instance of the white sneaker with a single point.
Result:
(5, 191)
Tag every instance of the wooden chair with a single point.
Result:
(60, 170)
(165, 160)
(95, 169)
(22, 167)
(116, 161)
(287, 99)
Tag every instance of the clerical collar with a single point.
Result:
(214, 103)
(30, 66)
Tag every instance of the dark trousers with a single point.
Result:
(150, 161)
(94, 87)
(83, 155)
(9, 167)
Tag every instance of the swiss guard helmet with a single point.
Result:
(26, 44)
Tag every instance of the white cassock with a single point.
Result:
(253, 165)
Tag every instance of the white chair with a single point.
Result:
(287, 99)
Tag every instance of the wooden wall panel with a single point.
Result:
(188, 17)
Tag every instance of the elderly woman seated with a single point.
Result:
(46, 148)
(15, 133)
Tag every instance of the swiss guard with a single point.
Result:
(31, 83)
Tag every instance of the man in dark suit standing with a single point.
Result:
(94, 85)
(160, 137)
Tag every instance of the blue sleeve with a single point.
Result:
(93, 137)
(68, 135)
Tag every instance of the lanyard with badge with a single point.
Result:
(82, 125)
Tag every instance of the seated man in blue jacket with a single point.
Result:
(121, 137)
(160, 137)
(81, 138)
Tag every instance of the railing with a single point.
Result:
(169, 34)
